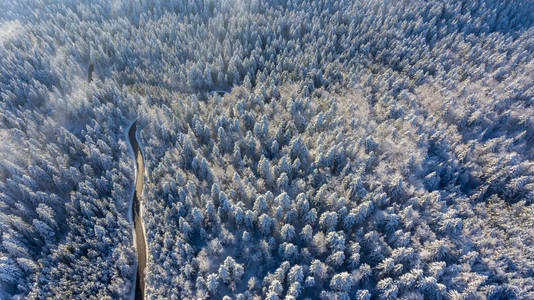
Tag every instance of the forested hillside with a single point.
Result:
(293, 149)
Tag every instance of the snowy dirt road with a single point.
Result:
(138, 225)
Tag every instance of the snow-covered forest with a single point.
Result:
(293, 149)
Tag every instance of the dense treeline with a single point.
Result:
(361, 149)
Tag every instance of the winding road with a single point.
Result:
(138, 225)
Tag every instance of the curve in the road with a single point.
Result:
(136, 205)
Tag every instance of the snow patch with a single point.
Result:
(9, 29)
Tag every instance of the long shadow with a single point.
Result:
(138, 227)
